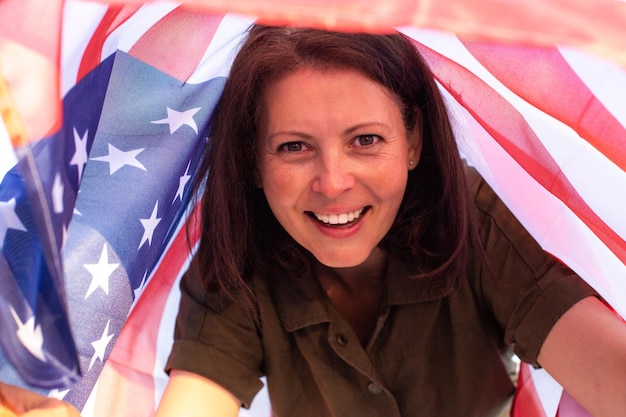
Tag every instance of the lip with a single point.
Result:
(339, 219)
(340, 231)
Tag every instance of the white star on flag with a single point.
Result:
(100, 345)
(57, 194)
(80, 154)
(177, 119)
(182, 182)
(30, 335)
(100, 272)
(57, 393)
(118, 159)
(9, 219)
(137, 291)
(149, 225)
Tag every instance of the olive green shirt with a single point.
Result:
(435, 351)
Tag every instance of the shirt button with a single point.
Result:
(374, 388)
(342, 340)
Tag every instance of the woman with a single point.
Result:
(349, 256)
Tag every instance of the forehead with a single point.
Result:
(328, 84)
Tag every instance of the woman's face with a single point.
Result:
(333, 161)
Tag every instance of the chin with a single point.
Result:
(334, 261)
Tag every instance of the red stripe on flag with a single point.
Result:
(526, 402)
(126, 385)
(113, 18)
(596, 25)
(545, 79)
(509, 128)
(176, 44)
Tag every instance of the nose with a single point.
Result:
(334, 174)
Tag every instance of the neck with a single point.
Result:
(356, 291)
(366, 274)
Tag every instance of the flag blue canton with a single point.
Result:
(125, 158)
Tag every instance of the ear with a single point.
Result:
(415, 147)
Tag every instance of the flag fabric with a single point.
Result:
(596, 26)
(547, 131)
(94, 199)
(35, 326)
(112, 183)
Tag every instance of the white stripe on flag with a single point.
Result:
(9, 159)
(80, 22)
(165, 335)
(548, 390)
(605, 79)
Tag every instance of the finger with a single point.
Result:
(5, 412)
(19, 401)
(9, 399)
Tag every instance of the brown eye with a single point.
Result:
(291, 147)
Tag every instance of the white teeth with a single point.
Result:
(343, 218)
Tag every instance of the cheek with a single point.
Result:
(393, 186)
(280, 186)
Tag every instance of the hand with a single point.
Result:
(16, 401)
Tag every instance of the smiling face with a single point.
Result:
(333, 160)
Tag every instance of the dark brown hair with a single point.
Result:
(433, 225)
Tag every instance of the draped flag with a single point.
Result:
(112, 180)
(32, 217)
(105, 110)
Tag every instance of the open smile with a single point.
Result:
(338, 220)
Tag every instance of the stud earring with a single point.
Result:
(411, 162)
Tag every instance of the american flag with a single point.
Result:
(114, 181)
(93, 214)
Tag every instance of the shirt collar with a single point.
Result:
(301, 301)
(299, 298)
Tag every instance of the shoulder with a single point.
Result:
(525, 288)
(484, 197)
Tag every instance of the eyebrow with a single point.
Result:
(348, 131)
(365, 126)
(289, 133)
